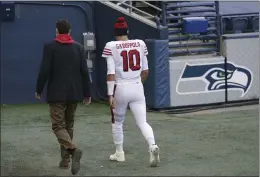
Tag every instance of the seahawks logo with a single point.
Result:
(206, 78)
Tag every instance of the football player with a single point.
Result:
(127, 69)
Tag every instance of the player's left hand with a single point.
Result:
(37, 96)
(111, 101)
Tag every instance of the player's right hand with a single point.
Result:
(87, 101)
(111, 101)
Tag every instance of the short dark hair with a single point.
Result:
(63, 26)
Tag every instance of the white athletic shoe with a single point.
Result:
(154, 156)
(118, 156)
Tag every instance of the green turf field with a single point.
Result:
(219, 144)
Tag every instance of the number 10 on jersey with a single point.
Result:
(128, 60)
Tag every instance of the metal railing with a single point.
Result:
(150, 5)
(132, 9)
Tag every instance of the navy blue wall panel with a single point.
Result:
(1, 47)
(157, 86)
(23, 40)
(163, 33)
(105, 17)
(149, 84)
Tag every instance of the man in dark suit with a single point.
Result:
(64, 67)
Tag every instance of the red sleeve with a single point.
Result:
(107, 52)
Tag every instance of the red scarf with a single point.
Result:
(64, 39)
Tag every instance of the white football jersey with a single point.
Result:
(129, 59)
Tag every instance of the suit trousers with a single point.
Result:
(62, 119)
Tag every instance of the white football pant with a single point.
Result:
(131, 94)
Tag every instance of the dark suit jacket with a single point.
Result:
(64, 67)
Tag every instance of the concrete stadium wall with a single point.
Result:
(22, 43)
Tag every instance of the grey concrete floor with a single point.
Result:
(208, 144)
